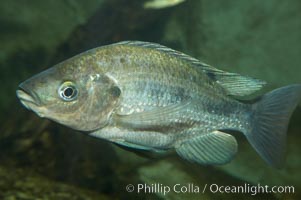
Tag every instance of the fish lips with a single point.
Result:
(29, 99)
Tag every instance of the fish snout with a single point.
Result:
(27, 97)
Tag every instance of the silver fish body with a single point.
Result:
(146, 96)
(159, 4)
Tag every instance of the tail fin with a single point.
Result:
(269, 123)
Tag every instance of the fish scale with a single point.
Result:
(147, 96)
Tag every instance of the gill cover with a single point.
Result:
(102, 98)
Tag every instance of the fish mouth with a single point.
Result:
(28, 99)
(25, 97)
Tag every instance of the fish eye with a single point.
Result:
(68, 91)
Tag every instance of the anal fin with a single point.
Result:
(209, 149)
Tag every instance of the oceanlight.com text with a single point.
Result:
(247, 188)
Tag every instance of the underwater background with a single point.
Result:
(40, 159)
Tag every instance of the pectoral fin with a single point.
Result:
(209, 149)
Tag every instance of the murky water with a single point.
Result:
(43, 160)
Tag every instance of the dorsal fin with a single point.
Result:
(234, 84)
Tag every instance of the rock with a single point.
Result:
(24, 184)
(254, 38)
(37, 24)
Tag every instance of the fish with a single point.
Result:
(159, 4)
(148, 97)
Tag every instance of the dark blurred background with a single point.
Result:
(40, 159)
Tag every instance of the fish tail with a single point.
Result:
(269, 122)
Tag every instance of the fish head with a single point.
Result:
(72, 93)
